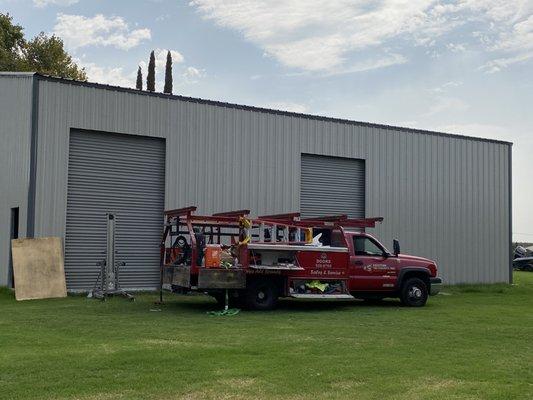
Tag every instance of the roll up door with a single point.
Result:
(124, 175)
(332, 186)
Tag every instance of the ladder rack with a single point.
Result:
(277, 230)
(285, 228)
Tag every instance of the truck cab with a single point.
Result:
(376, 273)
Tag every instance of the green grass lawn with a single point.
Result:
(469, 343)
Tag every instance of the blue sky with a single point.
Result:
(460, 66)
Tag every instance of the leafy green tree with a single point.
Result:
(150, 78)
(47, 55)
(168, 74)
(43, 54)
(139, 83)
(11, 44)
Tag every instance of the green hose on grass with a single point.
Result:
(226, 311)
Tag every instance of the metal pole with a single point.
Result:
(111, 282)
(109, 267)
(162, 257)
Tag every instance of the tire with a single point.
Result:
(261, 295)
(528, 267)
(414, 293)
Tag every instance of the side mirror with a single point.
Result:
(396, 247)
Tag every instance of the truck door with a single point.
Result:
(370, 268)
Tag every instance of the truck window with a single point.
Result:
(364, 246)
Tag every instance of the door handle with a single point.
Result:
(357, 263)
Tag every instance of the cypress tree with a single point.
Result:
(150, 78)
(168, 74)
(139, 84)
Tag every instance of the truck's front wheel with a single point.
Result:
(261, 295)
(414, 293)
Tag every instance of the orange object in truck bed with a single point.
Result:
(212, 255)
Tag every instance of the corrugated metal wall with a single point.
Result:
(445, 198)
(123, 175)
(332, 186)
(15, 138)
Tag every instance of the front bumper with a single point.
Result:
(435, 285)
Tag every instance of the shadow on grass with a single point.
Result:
(197, 303)
(321, 305)
(201, 303)
(497, 288)
(199, 306)
(7, 293)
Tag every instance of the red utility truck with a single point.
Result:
(255, 261)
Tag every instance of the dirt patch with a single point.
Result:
(103, 396)
(346, 385)
(178, 343)
(238, 382)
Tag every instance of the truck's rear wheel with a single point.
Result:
(414, 293)
(261, 295)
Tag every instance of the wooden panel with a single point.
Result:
(38, 268)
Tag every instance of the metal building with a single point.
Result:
(72, 151)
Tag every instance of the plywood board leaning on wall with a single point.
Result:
(38, 268)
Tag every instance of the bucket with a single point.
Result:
(212, 255)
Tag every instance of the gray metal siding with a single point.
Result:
(332, 186)
(15, 128)
(123, 175)
(445, 198)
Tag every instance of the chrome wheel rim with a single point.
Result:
(261, 296)
(415, 293)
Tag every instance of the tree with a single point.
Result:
(150, 78)
(41, 54)
(139, 84)
(168, 74)
(11, 44)
(47, 55)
